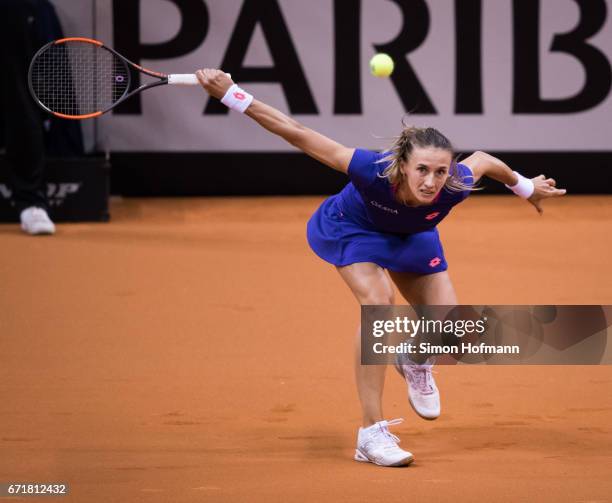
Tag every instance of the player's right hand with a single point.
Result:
(215, 82)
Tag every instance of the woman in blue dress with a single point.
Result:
(381, 228)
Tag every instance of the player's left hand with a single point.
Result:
(215, 82)
(544, 188)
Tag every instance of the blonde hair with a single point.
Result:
(404, 144)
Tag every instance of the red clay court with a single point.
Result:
(197, 350)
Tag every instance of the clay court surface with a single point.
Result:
(197, 350)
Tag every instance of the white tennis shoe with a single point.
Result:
(36, 221)
(376, 444)
(423, 393)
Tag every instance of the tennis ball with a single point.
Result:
(381, 65)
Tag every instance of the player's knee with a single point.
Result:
(378, 299)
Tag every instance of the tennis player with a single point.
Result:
(382, 227)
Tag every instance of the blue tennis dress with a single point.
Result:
(364, 222)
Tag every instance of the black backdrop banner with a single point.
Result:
(286, 173)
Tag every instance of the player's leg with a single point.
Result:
(426, 289)
(419, 289)
(371, 286)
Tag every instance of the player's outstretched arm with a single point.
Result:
(316, 145)
(483, 164)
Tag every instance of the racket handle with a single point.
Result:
(186, 79)
(183, 79)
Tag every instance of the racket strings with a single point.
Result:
(79, 78)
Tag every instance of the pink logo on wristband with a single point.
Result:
(239, 96)
(435, 262)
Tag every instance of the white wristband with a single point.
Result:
(237, 99)
(524, 187)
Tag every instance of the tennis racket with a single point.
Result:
(81, 78)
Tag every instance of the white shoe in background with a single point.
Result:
(35, 221)
(376, 444)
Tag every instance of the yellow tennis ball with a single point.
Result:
(381, 65)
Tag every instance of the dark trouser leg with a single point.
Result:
(22, 118)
